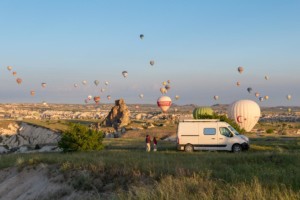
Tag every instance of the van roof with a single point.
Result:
(200, 120)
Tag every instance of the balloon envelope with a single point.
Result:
(97, 99)
(289, 97)
(141, 96)
(200, 112)
(9, 68)
(84, 82)
(141, 36)
(19, 80)
(249, 89)
(256, 94)
(44, 85)
(267, 77)
(96, 82)
(14, 73)
(245, 113)
(240, 69)
(163, 90)
(32, 93)
(177, 97)
(238, 83)
(152, 62)
(216, 97)
(164, 102)
(106, 83)
(125, 74)
(108, 97)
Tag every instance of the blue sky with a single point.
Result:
(198, 45)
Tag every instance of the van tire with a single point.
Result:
(236, 148)
(188, 148)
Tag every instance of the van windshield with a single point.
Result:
(233, 130)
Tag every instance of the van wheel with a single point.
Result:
(236, 148)
(189, 148)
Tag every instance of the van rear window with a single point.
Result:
(209, 131)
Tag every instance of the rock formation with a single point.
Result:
(119, 115)
(26, 136)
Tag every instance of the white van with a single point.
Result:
(209, 134)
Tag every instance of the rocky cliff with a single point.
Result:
(18, 135)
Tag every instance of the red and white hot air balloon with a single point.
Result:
(164, 102)
(97, 99)
(14, 73)
(245, 113)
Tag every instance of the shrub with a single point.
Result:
(224, 118)
(80, 138)
(269, 131)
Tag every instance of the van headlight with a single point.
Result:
(246, 139)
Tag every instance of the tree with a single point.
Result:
(80, 138)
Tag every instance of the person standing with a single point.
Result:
(154, 144)
(148, 143)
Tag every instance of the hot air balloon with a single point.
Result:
(216, 97)
(9, 68)
(102, 89)
(164, 83)
(76, 85)
(168, 81)
(141, 36)
(97, 99)
(246, 113)
(90, 97)
(108, 97)
(202, 112)
(137, 106)
(168, 87)
(106, 83)
(261, 99)
(44, 103)
(19, 80)
(141, 96)
(238, 83)
(249, 89)
(266, 97)
(289, 110)
(163, 90)
(44, 85)
(177, 97)
(240, 69)
(14, 73)
(267, 77)
(152, 62)
(164, 102)
(96, 82)
(84, 82)
(125, 74)
(256, 94)
(32, 93)
(289, 97)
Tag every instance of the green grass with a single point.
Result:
(270, 170)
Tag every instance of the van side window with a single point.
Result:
(209, 131)
(224, 131)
